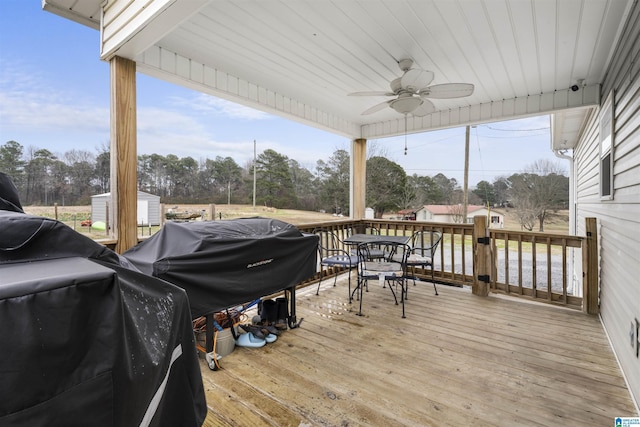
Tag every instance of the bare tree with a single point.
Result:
(526, 213)
(374, 149)
(541, 189)
(545, 167)
(457, 213)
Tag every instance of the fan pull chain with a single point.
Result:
(405, 134)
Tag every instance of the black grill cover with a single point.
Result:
(9, 200)
(225, 263)
(33, 238)
(86, 341)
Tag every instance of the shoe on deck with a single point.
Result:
(250, 340)
(271, 338)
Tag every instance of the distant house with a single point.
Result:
(453, 213)
(148, 208)
(407, 214)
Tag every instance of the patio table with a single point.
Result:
(356, 239)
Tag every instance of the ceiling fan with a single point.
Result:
(411, 91)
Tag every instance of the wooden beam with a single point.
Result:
(590, 283)
(358, 178)
(482, 256)
(123, 152)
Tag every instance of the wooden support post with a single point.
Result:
(358, 178)
(212, 212)
(482, 256)
(124, 194)
(590, 283)
(107, 227)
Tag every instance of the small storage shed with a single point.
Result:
(148, 208)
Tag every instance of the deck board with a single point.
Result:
(457, 359)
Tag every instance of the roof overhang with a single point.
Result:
(567, 127)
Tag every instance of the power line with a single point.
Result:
(517, 130)
(514, 137)
(460, 170)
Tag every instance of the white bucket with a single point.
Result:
(224, 341)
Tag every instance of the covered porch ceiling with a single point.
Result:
(300, 59)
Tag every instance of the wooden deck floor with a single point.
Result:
(457, 359)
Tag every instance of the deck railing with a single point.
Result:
(537, 265)
(551, 268)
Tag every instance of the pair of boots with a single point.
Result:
(275, 312)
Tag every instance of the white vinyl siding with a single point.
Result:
(619, 217)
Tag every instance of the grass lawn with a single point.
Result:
(74, 215)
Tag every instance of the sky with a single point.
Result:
(54, 94)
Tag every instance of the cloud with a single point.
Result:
(207, 104)
(28, 102)
(48, 116)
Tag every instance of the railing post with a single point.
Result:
(482, 256)
(590, 268)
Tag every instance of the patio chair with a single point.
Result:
(332, 254)
(423, 248)
(391, 268)
(378, 252)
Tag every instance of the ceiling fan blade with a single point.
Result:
(416, 79)
(378, 93)
(376, 108)
(447, 90)
(425, 108)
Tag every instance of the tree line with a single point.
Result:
(45, 178)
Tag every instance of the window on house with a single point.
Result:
(606, 148)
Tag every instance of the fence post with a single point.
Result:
(482, 256)
(212, 212)
(590, 283)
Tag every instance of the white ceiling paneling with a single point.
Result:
(544, 15)
(85, 12)
(301, 58)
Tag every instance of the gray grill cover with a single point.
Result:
(222, 264)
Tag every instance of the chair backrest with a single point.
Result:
(328, 243)
(362, 230)
(425, 243)
(394, 252)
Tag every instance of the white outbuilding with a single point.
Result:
(148, 208)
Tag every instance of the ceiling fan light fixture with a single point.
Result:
(405, 105)
(414, 90)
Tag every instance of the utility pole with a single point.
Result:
(254, 174)
(465, 190)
